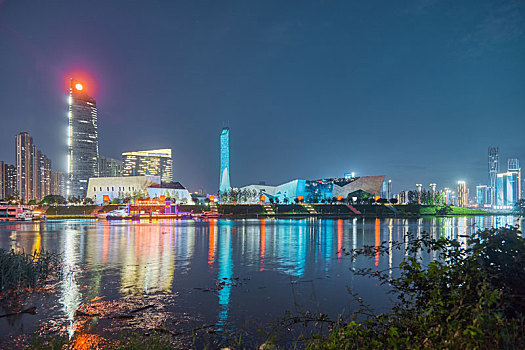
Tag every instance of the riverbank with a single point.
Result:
(243, 211)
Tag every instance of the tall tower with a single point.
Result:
(493, 165)
(25, 167)
(82, 158)
(224, 185)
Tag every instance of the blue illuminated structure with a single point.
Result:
(224, 184)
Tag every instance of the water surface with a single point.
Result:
(225, 275)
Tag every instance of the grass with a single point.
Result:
(22, 272)
(432, 210)
(71, 210)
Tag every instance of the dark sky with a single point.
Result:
(415, 90)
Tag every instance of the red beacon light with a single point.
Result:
(79, 87)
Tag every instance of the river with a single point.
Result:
(217, 276)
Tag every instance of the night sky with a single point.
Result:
(414, 90)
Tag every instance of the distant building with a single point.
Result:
(462, 194)
(109, 167)
(314, 191)
(386, 189)
(484, 196)
(508, 189)
(103, 189)
(10, 180)
(82, 158)
(402, 197)
(224, 182)
(155, 162)
(448, 196)
(493, 165)
(33, 170)
(2, 180)
(58, 183)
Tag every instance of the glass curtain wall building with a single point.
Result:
(224, 184)
(493, 165)
(82, 158)
(157, 162)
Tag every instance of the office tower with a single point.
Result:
(386, 190)
(513, 164)
(484, 196)
(493, 165)
(462, 194)
(508, 186)
(155, 162)
(58, 183)
(433, 188)
(419, 188)
(44, 177)
(448, 196)
(109, 167)
(224, 184)
(82, 158)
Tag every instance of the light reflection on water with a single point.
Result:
(282, 264)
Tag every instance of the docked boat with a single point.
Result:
(13, 213)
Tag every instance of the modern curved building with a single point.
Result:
(313, 191)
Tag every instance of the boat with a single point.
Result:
(13, 213)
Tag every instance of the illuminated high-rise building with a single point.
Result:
(493, 165)
(508, 186)
(33, 170)
(484, 196)
(462, 194)
(109, 167)
(82, 158)
(224, 184)
(157, 162)
(2, 180)
(58, 183)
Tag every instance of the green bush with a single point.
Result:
(468, 298)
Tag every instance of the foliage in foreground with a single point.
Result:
(466, 298)
(22, 272)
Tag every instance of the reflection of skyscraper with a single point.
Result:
(493, 165)
(224, 185)
(82, 158)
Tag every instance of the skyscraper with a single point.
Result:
(156, 162)
(25, 161)
(508, 186)
(109, 167)
(82, 158)
(462, 194)
(493, 165)
(2, 180)
(224, 184)
(33, 170)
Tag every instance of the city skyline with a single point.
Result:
(420, 94)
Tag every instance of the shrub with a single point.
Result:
(469, 297)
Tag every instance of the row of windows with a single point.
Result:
(132, 188)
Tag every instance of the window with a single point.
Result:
(112, 189)
(95, 189)
(100, 189)
(107, 188)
